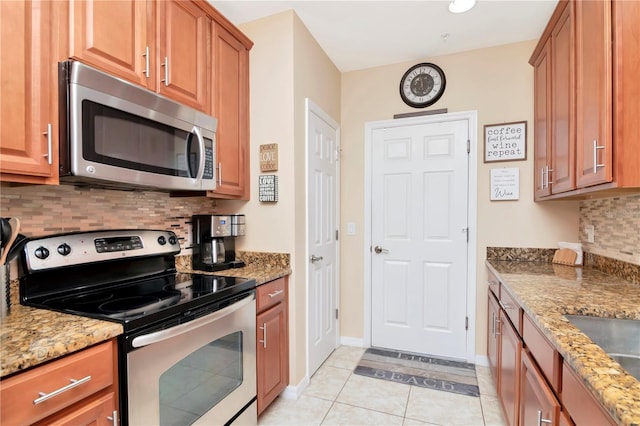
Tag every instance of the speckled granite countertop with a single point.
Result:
(262, 267)
(547, 292)
(30, 336)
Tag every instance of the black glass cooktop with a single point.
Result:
(148, 300)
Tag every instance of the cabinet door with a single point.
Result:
(231, 108)
(493, 338)
(183, 64)
(594, 97)
(272, 349)
(509, 373)
(27, 146)
(542, 122)
(538, 405)
(563, 175)
(115, 36)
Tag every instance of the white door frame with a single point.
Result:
(311, 106)
(472, 117)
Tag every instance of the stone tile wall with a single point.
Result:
(46, 210)
(617, 227)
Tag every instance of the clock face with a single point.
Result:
(422, 85)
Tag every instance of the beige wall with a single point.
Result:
(287, 66)
(498, 83)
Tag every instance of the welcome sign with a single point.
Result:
(505, 142)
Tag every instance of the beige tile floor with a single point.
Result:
(336, 396)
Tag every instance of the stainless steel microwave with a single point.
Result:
(115, 134)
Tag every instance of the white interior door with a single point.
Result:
(323, 213)
(420, 237)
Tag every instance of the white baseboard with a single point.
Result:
(352, 341)
(293, 392)
(482, 360)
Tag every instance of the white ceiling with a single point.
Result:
(360, 34)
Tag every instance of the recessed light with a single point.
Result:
(460, 6)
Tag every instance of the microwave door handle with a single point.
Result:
(196, 130)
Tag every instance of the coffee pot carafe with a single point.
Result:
(214, 241)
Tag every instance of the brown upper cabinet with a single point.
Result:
(231, 108)
(586, 108)
(183, 49)
(28, 152)
(160, 45)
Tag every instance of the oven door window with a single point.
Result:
(198, 382)
(121, 139)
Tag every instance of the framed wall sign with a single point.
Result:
(505, 142)
(505, 184)
(268, 188)
(269, 157)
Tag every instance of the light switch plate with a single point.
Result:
(351, 228)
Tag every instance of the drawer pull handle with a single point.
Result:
(113, 418)
(496, 326)
(74, 383)
(275, 293)
(596, 147)
(505, 306)
(165, 64)
(541, 420)
(264, 335)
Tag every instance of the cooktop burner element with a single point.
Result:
(134, 287)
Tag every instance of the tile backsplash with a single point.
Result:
(46, 210)
(616, 223)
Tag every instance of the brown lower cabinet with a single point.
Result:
(538, 404)
(534, 385)
(272, 341)
(510, 350)
(80, 388)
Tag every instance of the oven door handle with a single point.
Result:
(158, 336)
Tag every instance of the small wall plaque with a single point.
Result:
(505, 184)
(269, 157)
(268, 188)
(505, 142)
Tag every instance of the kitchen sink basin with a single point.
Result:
(619, 338)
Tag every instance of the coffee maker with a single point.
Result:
(214, 241)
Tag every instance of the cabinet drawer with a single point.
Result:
(579, 403)
(511, 308)
(270, 294)
(21, 396)
(546, 356)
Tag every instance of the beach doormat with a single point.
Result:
(419, 370)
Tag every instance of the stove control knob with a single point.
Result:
(162, 240)
(172, 240)
(41, 253)
(64, 249)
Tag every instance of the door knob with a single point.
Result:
(379, 250)
(315, 258)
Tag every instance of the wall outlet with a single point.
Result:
(591, 233)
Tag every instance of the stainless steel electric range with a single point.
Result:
(187, 355)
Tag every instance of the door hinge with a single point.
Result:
(336, 313)
(337, 234)
(466, 323)
(468, 146)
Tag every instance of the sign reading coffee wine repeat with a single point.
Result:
(505, 142)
